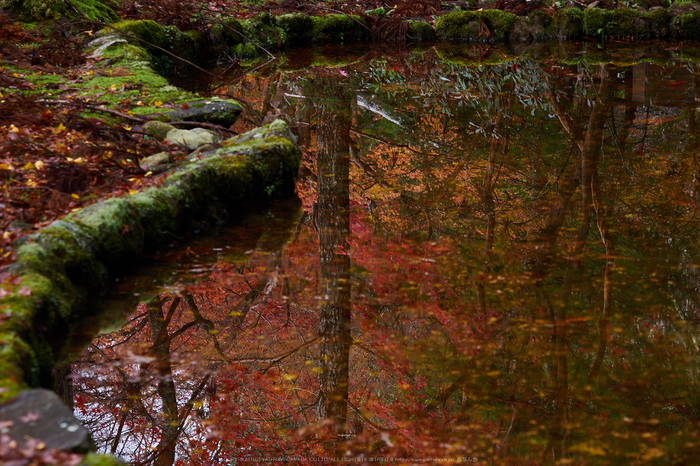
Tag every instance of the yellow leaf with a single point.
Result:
(140, 104)
(113, 87)
(131, 191)
(107, 154)
(148, 173)
(1, 96)
(128, 128)
(157, 103)
(15, 75)
(75, 196)
(59, 129)
(7, 254)
(89, 33)
(6, 166)
(28, 166)
(91, 73)
(14, 129)
(39, 164)
(32, 184)
(79, 160)
(6, 235)
(70, 159)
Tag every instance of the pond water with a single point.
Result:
(495, 260)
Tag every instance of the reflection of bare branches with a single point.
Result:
(390, 143)
(276, 359)
(604, 320)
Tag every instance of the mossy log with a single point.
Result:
(60, 269)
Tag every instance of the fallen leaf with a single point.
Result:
(29, 417)
(25, 291)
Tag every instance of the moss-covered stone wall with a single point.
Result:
(248, 38)
(60, 269)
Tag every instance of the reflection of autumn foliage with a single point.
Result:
(521, 272)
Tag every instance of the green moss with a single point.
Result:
(627, 23)
(499, 23)
(461, 25)
(469, 25)
(264, 30)
(421, 31)
(227, 32)
(96, 10)
(535, 27)
(73, 245)
(658, 23)
(466, 56)
(687, 26)
(17, 365)
(597, 22)
(94, 459)
(29, 10)
(338, 28)
(116, 229)
(247, 50)
(148, 31)
(298, 27)
(33, 10)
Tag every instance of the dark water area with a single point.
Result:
(495, 262)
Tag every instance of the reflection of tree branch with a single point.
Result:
(279, 358)
(364, 418)
(389, 143)
(445, 395)
(206, 324)
(604, 321)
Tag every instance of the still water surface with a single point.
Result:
(494, 260)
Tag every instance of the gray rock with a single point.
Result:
(202, 149)
(102, 40)
(191, 138)
(156, 163)
(41, 414)
(157, 129)
(222, 113)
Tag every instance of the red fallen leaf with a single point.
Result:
(29, 417)
(184, 106)
(25, 291)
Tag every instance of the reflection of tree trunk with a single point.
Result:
(333, 221)
(166, 386)
(498, 145)
(590, 154)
